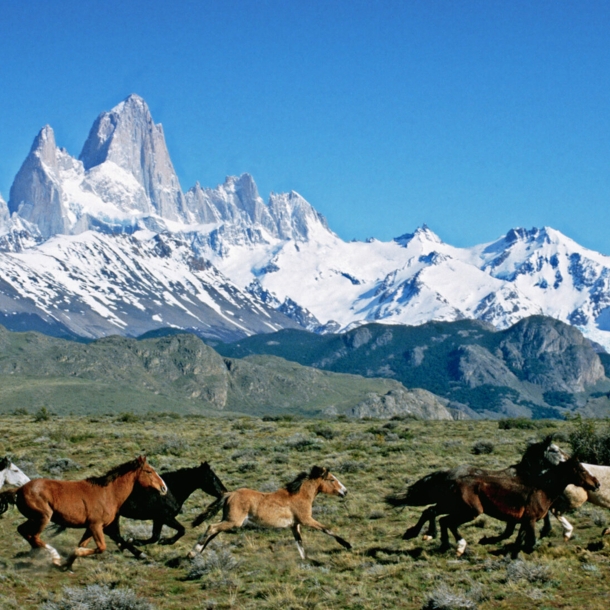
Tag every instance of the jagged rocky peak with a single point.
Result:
(128, 137)
(236, 201)
(244, 193)
(294, 216)
(36, 194)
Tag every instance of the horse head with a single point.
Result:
(539, 457)
(148, 477)
(580, 476)
(329, 483)
(209, 481)
(13, 475)
(553, 454)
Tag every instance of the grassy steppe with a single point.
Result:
(371, 458)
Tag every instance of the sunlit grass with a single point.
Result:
(261, 568)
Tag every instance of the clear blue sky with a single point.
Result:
(470, 116)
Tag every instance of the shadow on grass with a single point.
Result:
(373, 552)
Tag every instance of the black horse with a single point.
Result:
(162, 510)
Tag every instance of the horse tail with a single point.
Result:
(211, 510)
(55, 530)
(6, 498)
(428, 490)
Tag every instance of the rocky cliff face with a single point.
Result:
(553, 355)
(37, 193)
(416, 403)
(128, 138)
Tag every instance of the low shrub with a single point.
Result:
(444, 598)
(97, 597)
(483, 448)
(527, 570)
(518, 423)
(211, 560)
(60, 465)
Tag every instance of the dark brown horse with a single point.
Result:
(92, 503)
(433, 488)
(509, 498)
(286, 507)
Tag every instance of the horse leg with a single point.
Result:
(547, 528)
(526, 539)
(114, 532)
(173, 523)
(31, 530)
(154, 537)
(507, 533)
(211, 533)
(428, 515)
(431, 531)
(97, 532)
(452, 522)
(311, 522)
(568, 528)
(296, 532)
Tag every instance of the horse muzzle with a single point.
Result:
(163, 491)
(343, 493)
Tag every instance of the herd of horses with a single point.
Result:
(545, 480)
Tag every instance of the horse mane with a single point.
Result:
(534, 463)
(115, 473)
(294, 486)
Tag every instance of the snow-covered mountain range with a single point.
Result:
(109, 243)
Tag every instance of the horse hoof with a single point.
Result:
(191, 555)
(566, 537)
(461, 547)
(606, 531)
(427, 537)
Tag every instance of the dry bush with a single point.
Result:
(445, 598)
(97, 597)
(527, 570)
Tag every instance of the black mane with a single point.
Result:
(294, 486)
(4, 463)
(115, 473)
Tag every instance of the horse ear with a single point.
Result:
(141, 460)
(4, 463)
(548, 440)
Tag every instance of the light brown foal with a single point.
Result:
(93, 503)
(286, 507)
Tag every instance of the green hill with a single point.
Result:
(180, 373)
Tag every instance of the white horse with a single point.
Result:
(10, 474)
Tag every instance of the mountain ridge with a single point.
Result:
(280, 259)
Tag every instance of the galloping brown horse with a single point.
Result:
(286, 507)
(93, 503)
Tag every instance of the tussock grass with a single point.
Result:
(255, 568)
